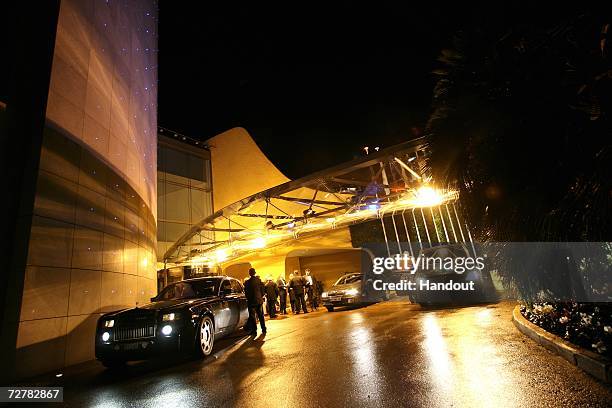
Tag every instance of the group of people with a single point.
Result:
(299, 288)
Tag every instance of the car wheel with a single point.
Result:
(330, 308)
(113, 363)
(205, 337)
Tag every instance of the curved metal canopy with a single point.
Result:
(352, 192)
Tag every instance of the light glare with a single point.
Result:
(258, 242)
(426, 196)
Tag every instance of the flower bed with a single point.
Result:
(588, 325)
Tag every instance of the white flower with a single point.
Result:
(599, 346)
(564, 319)
(608, 329)
(547, 309)
(586, 319)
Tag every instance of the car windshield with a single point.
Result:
(193, 289)
(345, 280)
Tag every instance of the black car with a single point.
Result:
(484, 289)
(187, 316)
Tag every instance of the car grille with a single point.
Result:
(129, 333)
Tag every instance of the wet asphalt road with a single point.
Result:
(388, 354)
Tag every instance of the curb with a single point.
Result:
(594, 364)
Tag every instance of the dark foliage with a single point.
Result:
(521, 124)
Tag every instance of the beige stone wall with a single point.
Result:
(92, 244)
(274, 261)
(327, 268)
(103, 88)
(239, 168)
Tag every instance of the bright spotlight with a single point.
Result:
(221, 255)
(258, 242)
(426, 196)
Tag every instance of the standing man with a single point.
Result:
(310, 286)
(254, 291)
(282, 292)
(271, 295)
(317, 293)
(291, 293)
(297, 284)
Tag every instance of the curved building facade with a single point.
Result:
(92, 241)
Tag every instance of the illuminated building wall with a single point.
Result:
(93, 237)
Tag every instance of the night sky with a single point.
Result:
(311, 84)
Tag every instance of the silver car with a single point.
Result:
(349, 290)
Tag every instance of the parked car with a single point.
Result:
(350, 290)
(186, 316)
(484, 290)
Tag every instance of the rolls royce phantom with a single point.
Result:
(186, 316)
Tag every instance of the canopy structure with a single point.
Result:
(382, 182)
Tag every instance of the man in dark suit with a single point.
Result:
(297, 284)
(282, 292)
(291, 293)
(271, 296)
(254, 291)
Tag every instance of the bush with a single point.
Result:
(588, 325)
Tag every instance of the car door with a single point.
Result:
(243, 310)
(223, 315)
(231, 303)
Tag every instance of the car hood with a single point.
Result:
(164, 305)
(346, 286)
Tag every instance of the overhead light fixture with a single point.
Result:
(426, 196)
(259, 242)
(221, 255)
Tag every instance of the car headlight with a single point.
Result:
(352, 292)
(166, 330)
(168, 317)
(105, 336)
(109, 323)
(324, 294)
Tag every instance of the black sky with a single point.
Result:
(312, 84)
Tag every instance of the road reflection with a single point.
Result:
(464, 364)
(362, 349)
(436, 350)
